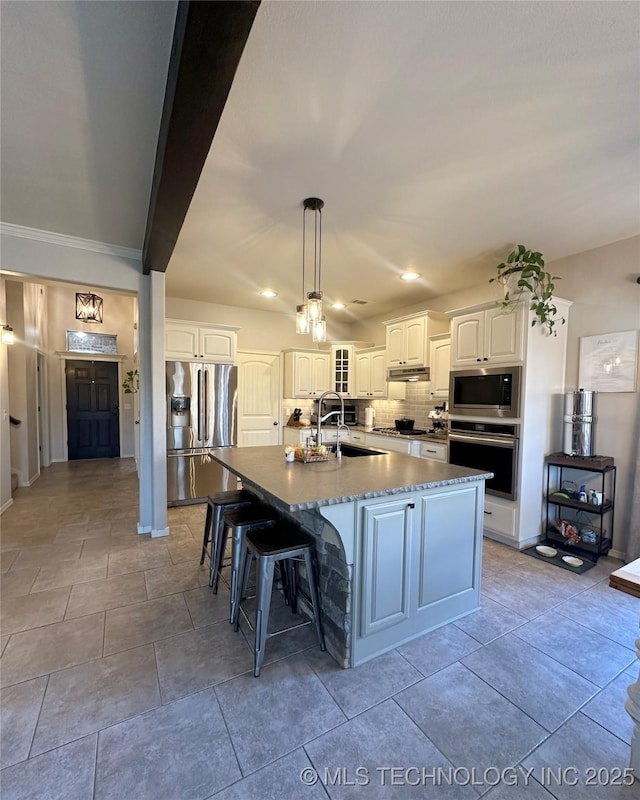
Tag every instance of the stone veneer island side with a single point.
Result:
(398, 540)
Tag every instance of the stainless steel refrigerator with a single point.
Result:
(201, 414)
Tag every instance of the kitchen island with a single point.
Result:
(398, 539)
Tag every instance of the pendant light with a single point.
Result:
(309, 316)
(88, 307)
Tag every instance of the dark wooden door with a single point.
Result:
(92, 409)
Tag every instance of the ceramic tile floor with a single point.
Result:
(121, 678)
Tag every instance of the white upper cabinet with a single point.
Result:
(371, 373)
(190, 341)
(371, 376)
(487, 337)
(439, 363)
(408, 338)
(306, 373)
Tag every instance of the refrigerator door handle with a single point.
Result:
(199, 390)
(206, 405)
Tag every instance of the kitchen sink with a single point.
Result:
(352, 451)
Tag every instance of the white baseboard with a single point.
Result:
(25, 484)
(6, 505)
(144, 528)
(617, 554)
(159, 532)
(59, 460)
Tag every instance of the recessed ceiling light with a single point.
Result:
(338, 305)
(410, 276)
(269, 293)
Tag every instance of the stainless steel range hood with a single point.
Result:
(409, 374)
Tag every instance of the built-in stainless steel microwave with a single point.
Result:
(485, 392)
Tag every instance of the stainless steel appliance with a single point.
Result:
(489, 446)
(579, 423)
(201, 414)
(485, 392)
(411, 374)
(350, 413)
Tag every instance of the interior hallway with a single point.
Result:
(121, 677)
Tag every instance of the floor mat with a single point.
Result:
(558, 562)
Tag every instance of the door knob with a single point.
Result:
(275, 423)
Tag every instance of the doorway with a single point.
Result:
(259, 399)
(93, 413)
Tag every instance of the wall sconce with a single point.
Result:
(88, 307)
(8, 337)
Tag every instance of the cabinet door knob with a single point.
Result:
(478, 359)
(485, 359)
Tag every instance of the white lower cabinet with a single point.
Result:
(397, 444)
(500, 516)
(295, 436)
(433, 451)
(418, 564)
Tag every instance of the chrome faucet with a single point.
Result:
(330, 414)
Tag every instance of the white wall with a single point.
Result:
(259, 330)
(118, 318)
(602, 285)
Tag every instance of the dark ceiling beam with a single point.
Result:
(208, 41)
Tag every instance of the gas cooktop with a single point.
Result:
(394, 432)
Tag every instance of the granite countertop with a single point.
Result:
(301, 486)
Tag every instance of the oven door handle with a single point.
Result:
(508, 444)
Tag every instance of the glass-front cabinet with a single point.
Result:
(342, 364)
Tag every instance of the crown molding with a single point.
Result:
(62, 239)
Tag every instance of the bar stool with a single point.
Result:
(213, 526)
(239, 522)
(268, 545)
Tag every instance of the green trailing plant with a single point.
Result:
(131, 383)
(523, 273)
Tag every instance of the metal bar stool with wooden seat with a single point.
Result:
(239, 522)
(281, 542)
(213, 525)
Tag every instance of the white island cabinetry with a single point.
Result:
(408, 578)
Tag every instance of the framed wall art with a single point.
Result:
(609, 362)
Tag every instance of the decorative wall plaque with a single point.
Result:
(83, 342)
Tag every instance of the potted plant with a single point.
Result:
(131, 383)
(523, 276)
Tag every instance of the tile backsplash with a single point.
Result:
(416, 406)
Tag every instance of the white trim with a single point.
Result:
(71, 356)
(143, 528)
(63, 239)
(617, 554)
(22, 484)
(6, 505)
(159, 532)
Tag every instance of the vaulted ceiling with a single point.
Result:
(438, 134)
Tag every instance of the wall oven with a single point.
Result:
(492, 447)
(485, 392)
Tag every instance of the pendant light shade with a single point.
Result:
(309, 317)
(302, 318)
(319, 330)
(88, 307)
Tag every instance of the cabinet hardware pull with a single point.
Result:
(489, 513)
(411, 505)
